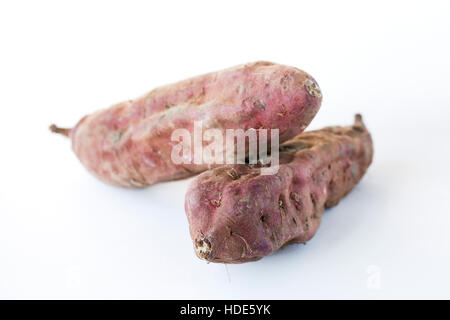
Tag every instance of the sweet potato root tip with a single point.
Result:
(64, 131)
(358, 124)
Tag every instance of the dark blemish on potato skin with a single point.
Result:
(258, 104)
(116, 136)
(297, 202)
(203, 247)
(283, 112)
(281, 206)
(233, 174)
(295, 196)
(284, 81)
(313, 88)
(272, 237)
(331, 185)
(313, 199)
(217, 202)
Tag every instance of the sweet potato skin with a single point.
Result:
(129, 144)
(237, 215)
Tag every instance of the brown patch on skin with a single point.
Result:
(306, 224)
(313, 200)
(283, 111)
(281, 206)
(199, 99)
(332, 186)
(216, 203)
(284, 81)
(272, 237)
(297, 203)
(312, 88)
(316, 216)
(258, 104)
(244, 199)
(115, 136)
(233, 174)
(203, 248)
(295, 196)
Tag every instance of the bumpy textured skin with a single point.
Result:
(129, 144)
(237, 215)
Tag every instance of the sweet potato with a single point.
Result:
(237, 215)
(130, 145)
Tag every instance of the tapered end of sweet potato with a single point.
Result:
(358, 123)
(64, 131)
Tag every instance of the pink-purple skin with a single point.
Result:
(237, 215)
(129, 144)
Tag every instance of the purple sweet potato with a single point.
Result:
(237, 215)
(130, 145)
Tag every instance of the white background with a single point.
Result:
(63, 234)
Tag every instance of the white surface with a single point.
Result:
(63, 234)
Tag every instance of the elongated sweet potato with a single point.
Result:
(130, 145)
(237, 215)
